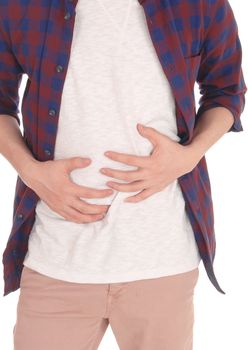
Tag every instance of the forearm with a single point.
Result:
(13, 147)
(211, 126)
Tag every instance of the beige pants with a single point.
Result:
(148, 314)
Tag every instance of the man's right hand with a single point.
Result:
(51, 182)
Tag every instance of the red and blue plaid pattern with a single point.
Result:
(195, 41)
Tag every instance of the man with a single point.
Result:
(111, 220)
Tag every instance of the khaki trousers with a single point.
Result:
(148, 314)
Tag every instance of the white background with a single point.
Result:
(220, 320)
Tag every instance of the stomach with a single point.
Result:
(94, 139)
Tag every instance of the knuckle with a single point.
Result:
(92, 209)
(78, 219)
(66, 216)
(93, 217)
(69, 216)
(86, 193)
(104, 193)
(99, 210)
(128, 176)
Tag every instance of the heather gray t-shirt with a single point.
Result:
(114, 80)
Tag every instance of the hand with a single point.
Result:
(51, 181)
(168, 161)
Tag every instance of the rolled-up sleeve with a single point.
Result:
(220, 76)
(10, 76)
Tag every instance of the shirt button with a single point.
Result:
(48, 152)
(19, 216)
(67, 15)
(59, 68)
(14, 252)
(52, 112)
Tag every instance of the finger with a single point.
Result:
(88, 192)
(72, 214)
(140, 196)
(150, 133)
(131, 187)
(129, 176)
(87, 208)
(75, 162)
(129, 159)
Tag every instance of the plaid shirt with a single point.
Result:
(194, 41)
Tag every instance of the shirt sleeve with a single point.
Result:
(10, 76)
(220, 76)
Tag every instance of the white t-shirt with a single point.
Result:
(114, 80)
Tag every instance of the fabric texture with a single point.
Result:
(155, 313)
(196, 41)
(124, 245)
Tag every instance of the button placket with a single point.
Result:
(59, 68)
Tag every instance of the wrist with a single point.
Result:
(193, 154)
(29, 170)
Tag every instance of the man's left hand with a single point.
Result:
(167, 161)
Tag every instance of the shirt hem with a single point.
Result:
(68, 276)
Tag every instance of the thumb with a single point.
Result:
(150, 133)
(77, 162)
